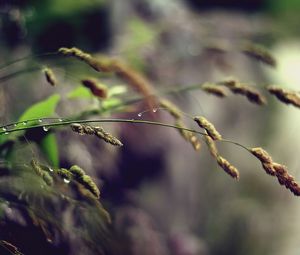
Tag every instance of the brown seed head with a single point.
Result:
(209, 127)
(97, 89)
(285, 96)
(170, 108)
(214, 89)
(77, 171)
(188, 136)
(259, 52)
(262, 155)
(107, 137)
(211, 146)
(227, 167)
(77, 128)
(90, 185)
(50, 77)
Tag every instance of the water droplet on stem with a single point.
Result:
(66, 180)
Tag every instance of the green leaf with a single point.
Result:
(111, 103)
(80, 92)
(41, 109)
(49, 147)
(117, 90)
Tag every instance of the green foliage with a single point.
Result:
(80, 92)
(42, 109)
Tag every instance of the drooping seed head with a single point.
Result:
(211, 146)
(170, 108)
(227, 167)
(209, 127)
(262, 155)
(77, 128)
(258, 52)
(97, 89)
(47, 178)
(285, 96)
(107, 137)
(89, 184)
(77, 171)
(50, 77)
(214, 89)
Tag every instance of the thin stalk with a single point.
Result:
(68, 122)
(64, 122)
(4, 66)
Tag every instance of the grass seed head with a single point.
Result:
(97, 89)
(214, 89)
(262, 155)
(170, 108)
(107, 137)
(209, 127)
(77, 171)
(228, 168)
(285, 96)
(211, 146)
(50, 77)
(89, 184)
(259, 52)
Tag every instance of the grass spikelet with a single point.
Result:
(64, 173)
(97, 89)
(77, 171)
(262, 155)
(50, 77)
(36, 167)
(251, 93)
(278, 170)
(170, 108)
(259, 52)
(188, 136)
(77, 128)
(269, 168)
(285, 96)
(107, 137)
(214, 89)
(227, 167)
(211, 146)
(88, 130)
(124, 72)
(47, 178)
(285, 179)
(87, 58)
(90, 185)
(82, 129)
(229, 82)
(41, 172)
(97, 131)
(209, 127)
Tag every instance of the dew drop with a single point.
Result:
(50, 169)
(66, 180)
(15, 124)
(40, 121)
(60, 120)
(24, 123)
(154, 110)
(45, 128)
(4, 128)
(6, 133)
(140, 114)
(49, 240)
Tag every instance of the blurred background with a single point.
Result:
(163, 197)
